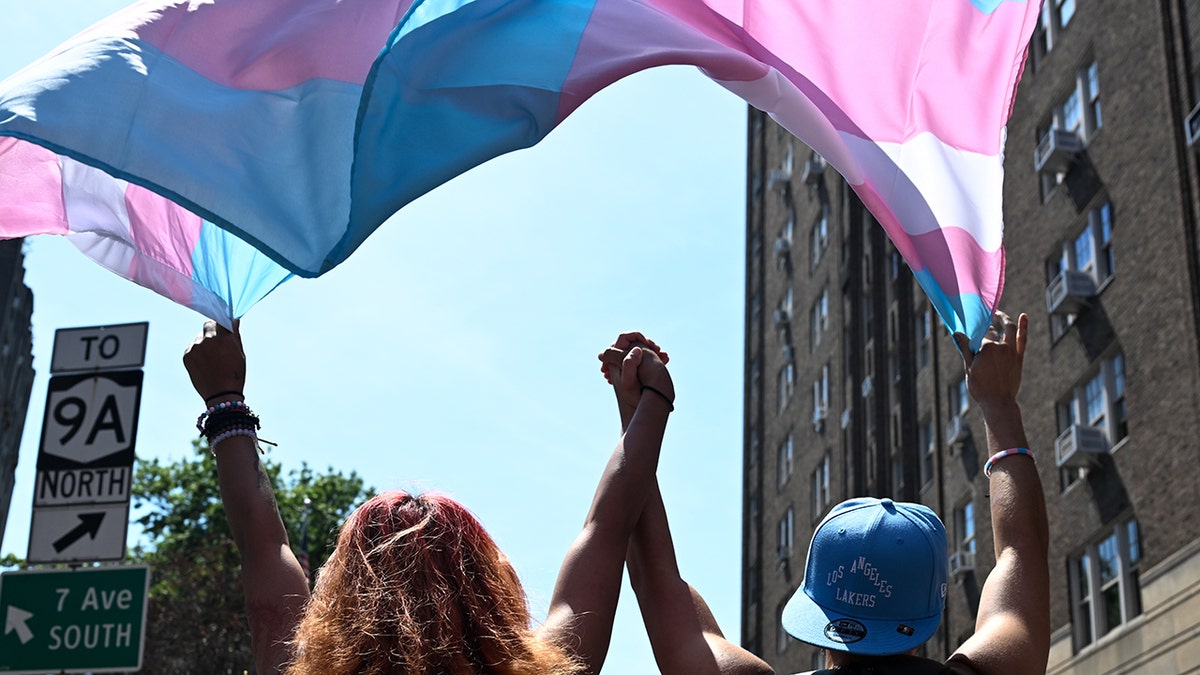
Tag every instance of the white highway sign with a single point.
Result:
(106, 484)
(91, 532)
(120, 347)
(90, 418)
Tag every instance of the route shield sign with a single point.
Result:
(85, 460)
(88, 620)
(90, 420)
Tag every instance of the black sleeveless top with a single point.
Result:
(902, 664)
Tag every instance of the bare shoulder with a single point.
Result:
(961, 665)
(733, 660)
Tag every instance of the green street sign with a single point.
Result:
(85, 620)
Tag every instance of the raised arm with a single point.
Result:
(589, 583)
(1012, 631)
(683, 633)
(275, 587)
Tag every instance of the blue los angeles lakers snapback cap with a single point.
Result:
(875, 579)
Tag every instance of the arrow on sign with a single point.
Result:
(89, 524)
(16, 621)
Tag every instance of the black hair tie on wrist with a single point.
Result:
(219, 394)
(670, 403)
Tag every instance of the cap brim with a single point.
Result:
(809, 622)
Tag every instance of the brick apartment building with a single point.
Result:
(16, 364)
(853, 387)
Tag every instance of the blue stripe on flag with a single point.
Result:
(217, 254)
(976, 314)
(156, 123)
(461, 83)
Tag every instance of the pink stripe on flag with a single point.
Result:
(30, 190)
(162, 230)
(840, 47)
(624, 37)
(951, 254)
(267, 44)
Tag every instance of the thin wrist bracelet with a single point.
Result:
(670, 403)
(987, 467)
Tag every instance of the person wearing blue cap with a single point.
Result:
(874, 583)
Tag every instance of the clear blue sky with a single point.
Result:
(456, 349)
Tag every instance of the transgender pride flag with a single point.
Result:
(210, 149)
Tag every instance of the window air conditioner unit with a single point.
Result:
(1057, 151)
(961, 562)
(1192, 125)
(813, 169)
(782, 318)
(956, 432)
(789, 353)
(867, 386)
(782, 247)
(779, 177)
(1079, 447)
(1069, 292)
(818, 419)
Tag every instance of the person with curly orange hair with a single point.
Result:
(415, 585)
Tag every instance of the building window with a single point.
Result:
(1089, 251)
(924, 330)
(819, 238)
(782, 637)
(1056, 15)
(1105, 583)
(755, 525)
(959, 400)
(820, 488)
(784, 465)
(868, 314)
(1079, 112)
(964, 527)
(786, 384)
(898, 475)
(1097, 402)
(925, 439)
(752, 590)
(787, 529)
(820, 393)
(818, 319)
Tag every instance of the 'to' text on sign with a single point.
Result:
(120, 347)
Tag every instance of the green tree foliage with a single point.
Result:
(196, 622)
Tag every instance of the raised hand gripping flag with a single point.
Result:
(210, 149)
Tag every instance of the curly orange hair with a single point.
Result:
(416, 586)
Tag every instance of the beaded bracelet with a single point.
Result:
(236, 431)
(219, 423)
(226, 420)
(987, 467)
(221, 407)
